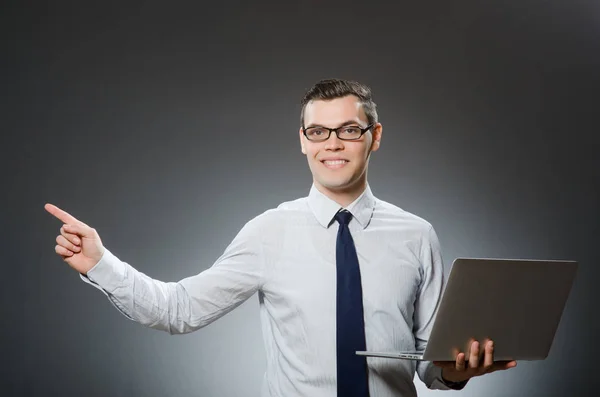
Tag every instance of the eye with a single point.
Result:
(351, 130)
(315, 131)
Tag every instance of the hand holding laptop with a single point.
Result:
(480, 362)
(517, 303)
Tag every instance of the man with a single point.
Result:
(336, 272)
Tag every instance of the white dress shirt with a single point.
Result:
(287, 255)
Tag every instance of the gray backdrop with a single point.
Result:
(168, 127)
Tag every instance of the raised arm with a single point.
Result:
(175, 307)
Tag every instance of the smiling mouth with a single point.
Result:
(334, 163)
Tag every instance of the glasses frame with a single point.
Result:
(337, 130)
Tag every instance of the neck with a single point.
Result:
(343, 196)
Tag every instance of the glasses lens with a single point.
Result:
(349, 132)
(316, 133)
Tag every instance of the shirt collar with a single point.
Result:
(325, 208)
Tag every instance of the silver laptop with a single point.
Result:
(517, 303)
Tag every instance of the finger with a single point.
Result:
(455, 351)
(63, 242)
(60, 214)
(70, 236)
(62, 251)
(488, 359)
(474, 355)
(460, 362)
(79, 229)
(502, 365)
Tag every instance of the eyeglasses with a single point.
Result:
(345, 133)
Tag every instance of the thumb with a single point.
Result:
(81, 230)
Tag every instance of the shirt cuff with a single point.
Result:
(434, 373)
(453, 385)
(108, 274)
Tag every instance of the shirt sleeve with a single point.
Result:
(193, 302)
(426, 306)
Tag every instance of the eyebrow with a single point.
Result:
(347, 122)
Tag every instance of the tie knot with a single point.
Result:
(343, 217)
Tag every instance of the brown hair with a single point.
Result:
(337, 88)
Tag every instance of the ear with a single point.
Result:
(377, 131)
(301, 134)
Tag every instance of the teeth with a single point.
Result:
(334, 162)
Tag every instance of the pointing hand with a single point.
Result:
(78, 244)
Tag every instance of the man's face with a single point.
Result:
(339, 166)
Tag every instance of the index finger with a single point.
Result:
(62, 215)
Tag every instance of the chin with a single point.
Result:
(336, 185)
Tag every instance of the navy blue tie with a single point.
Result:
(351, 369)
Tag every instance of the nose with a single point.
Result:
(334, 143)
